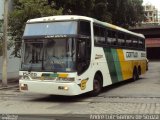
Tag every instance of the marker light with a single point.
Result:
(23, 87)
(66, 88)
(63, 88)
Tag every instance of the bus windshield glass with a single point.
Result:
(51, 28)
(58, 55)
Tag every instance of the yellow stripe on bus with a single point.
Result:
(126, 66)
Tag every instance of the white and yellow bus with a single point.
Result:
(71, 55)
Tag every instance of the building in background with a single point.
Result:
(13, 63)
(1, 9)
(159, 17)
(151, 13)
(150, 27)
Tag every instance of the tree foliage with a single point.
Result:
(24, 10)
(126, 13)
(123, 13)
(91, 8)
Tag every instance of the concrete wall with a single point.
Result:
(13, 63)
(13, 66)
(1, 9)
(10, 7)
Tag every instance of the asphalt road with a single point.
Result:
(128, 97)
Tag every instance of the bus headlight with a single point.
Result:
(63, 88)
(23, 86)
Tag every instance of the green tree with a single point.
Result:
(126, 13)
(100, 11)
(91, 8)
(24, 10)
(123, 13)
(75, 7)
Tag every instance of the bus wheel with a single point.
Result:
(135, 74)
(97, 86)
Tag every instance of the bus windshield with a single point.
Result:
(49, 55)
(51, 28)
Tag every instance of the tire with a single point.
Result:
(135, 74)
(97, 86)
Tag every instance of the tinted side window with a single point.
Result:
(135, 42)
(112, 38)
(84, 28)
(128, 41)
(99, 35)
(121, 39)
(141, 44)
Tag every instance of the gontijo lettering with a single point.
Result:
(131, 54)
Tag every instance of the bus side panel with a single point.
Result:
(126, 66)
(143, 66)
(114, 65)
(85, 81)
(100, 64)
(118, 66)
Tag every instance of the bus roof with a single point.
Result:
(76, 17)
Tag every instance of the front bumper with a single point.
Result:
(45, 87)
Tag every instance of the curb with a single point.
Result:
(12, 83)
(9, 87)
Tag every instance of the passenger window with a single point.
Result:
(121, 39)
(84, 28)
(128, 41)
(141, 44)
(99, 35)
(112, 38)
(135, 42)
